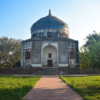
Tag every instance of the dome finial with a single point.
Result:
(49, 12)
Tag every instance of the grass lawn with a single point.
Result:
(16, 87)
(88, 87)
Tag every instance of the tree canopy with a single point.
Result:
(90, 53)
(90, 37)
(10, 51)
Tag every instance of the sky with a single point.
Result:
(17, 16)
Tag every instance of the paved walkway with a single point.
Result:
(51, 88)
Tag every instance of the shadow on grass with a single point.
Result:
(14, 87)
(14, 94)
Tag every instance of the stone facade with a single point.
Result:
(63, 52)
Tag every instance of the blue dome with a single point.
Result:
(49, 22)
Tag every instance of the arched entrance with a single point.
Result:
(49, 56)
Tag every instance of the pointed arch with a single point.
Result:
(27, 55)
(72, 55)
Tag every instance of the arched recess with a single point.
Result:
(27, 59)
(27, 55)
(49, 56)
(72, 59)
(72, 55)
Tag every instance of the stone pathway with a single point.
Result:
(52, 88)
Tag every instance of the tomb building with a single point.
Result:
(49, 45)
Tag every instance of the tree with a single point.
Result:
(10, 51)
(90, 37)
(82, 59)
(90, 56)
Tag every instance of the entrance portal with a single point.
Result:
(49, 63)
(49, 57)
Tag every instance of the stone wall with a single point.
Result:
(80, 71)
(34, 70)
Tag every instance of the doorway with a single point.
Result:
(49, 63)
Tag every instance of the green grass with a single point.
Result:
(16, 87)
(88, 87)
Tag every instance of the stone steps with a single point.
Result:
(49, 71)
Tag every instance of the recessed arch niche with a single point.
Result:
(49, 49)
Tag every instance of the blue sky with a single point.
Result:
(17, 16)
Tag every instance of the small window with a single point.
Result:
(49, 34)
(49, 55)
(41, 34)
